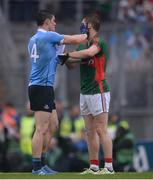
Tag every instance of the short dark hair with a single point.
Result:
(42, 15)
(95, 21)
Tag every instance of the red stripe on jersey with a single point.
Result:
(100, 70)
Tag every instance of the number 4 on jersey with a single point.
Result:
(34, 54)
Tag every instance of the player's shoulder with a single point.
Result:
(32, 39)
(33, 36)
(52, 33)
(102, 40)
(99, 39)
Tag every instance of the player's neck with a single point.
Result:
(43, 27)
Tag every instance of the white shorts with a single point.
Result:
(94, 104)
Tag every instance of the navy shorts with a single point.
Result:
(41, 98)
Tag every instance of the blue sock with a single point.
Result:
(36, 162)
(43, 158)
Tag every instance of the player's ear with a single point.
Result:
(47, 21)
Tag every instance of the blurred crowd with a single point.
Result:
(140, 11)
(135, 11)
(110, 10)
(68, 146)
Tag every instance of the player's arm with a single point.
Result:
(74, 39)
(71, 63)
(82, 54)
(54, 37)
(86, 53)
(77, 39)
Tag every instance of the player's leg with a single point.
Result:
(98, 105)
(41, 100)
(53, 126)
(92, 141)
(41, 128)
(101, 121)
(100, 108)
(92, 138)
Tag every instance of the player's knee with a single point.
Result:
(102, 132)
(90, 132)
(42, 130)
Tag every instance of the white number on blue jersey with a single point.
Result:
(34, 54)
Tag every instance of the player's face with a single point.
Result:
(89, 26)
(52, 24)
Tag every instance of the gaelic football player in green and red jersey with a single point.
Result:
(95, 94)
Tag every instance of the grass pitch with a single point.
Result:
(146, 175)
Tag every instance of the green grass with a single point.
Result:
(146, 175)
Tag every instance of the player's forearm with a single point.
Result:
(74, 39)
(80, 38)
(79, 54)
(73, 60)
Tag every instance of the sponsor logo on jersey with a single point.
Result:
(46, 106)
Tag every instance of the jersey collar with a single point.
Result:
(42, 30)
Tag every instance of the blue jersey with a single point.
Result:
(42, 50)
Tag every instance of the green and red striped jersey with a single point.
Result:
(92, 77)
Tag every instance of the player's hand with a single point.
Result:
(84, 29)
(63, 58)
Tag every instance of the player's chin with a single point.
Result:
(53, 29)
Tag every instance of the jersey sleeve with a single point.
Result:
(54, 37)
(105, 49)
(60, 49)
(96, 42)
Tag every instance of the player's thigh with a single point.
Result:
(89, 121)
(101, 121)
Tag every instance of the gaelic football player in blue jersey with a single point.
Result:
(42, 49)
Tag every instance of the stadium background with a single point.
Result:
(127, 26)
